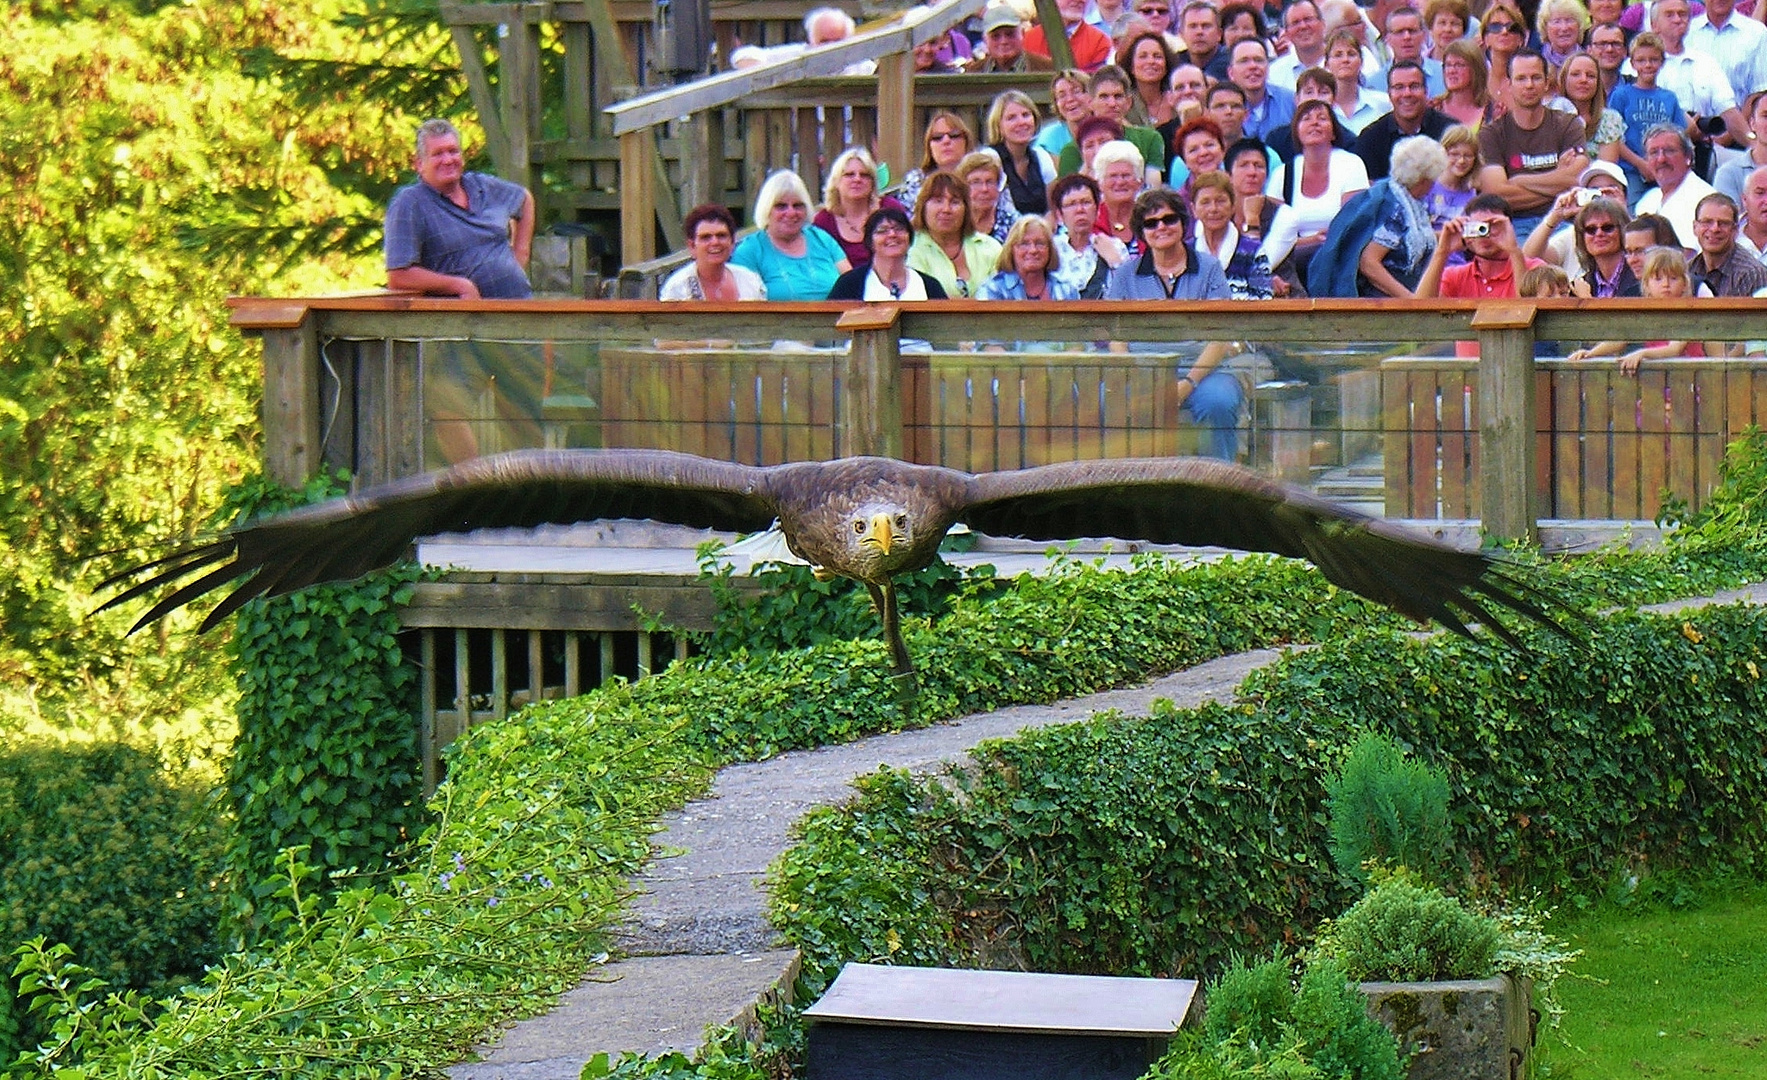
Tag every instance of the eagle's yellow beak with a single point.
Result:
(880, 533)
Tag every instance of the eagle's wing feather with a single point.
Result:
(348, 537)
(1209, 503)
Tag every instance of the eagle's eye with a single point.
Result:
(902, 522)
(859, 527)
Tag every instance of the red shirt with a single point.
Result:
(1092, 48)
(1468, 282)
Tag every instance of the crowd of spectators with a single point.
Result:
(1249, 150)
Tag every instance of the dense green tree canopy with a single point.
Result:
(155, 158)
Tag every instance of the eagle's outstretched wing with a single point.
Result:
(1210, 503)
(348, 537)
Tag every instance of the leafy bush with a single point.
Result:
(326, 755)
(1405, 931)
(99, 849)
(793, 610)
(1389, 809)
(1258, 1024)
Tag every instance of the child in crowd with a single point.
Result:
(1543, 283)
(1643, 105)
(1457, 185)
(1665, 277)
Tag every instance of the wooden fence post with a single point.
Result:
(1506, 420)
(291, 401)
(868, 419)
(637, 197)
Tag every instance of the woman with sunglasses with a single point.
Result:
(1601, 252)
(1503, 34)
(948, 139)
(887, 276)
(1171, 268)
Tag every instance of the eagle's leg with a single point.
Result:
(884, 597)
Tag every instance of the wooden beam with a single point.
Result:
(895, 101)
(649, 110)
(1508, 499)
(638, 205)
(613, 58)
(484, 102)
(1061, 50)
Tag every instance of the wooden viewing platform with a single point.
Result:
(388, 386)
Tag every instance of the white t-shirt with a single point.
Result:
(1346, 175)
(1678, 208)
(683, 284)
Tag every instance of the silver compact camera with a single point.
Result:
(1585, 196)
(1471, 229)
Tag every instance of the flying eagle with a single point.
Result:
(864, 518)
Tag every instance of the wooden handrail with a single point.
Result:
(916, 25)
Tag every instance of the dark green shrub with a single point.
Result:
(1389, 809)
(1253, 1001)
(101, 850)
(1404, 931)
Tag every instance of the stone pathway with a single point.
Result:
(697, 948)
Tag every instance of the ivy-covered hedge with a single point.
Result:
(1163, 846)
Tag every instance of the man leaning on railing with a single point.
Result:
(458, 233)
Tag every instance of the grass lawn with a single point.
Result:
(1685, 993)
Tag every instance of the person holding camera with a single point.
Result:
(1494, 265)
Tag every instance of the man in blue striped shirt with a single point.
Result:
(458, 233)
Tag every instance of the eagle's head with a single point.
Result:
(880, 540)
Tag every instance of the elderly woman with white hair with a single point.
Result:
(795, 259)
(1395, 256)
(1121, 173)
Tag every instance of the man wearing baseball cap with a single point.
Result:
(1003, 45)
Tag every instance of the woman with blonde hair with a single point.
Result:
(1561, 25)
(948, 137)
(1027, 265)
(1071, 93)
(1026, 171)
(848, 200)
(1356, 105)
(1503, 32)
(1465, 75)
(1580, 92)
(1459, 181)
(795, 259)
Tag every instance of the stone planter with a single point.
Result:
(1469, 1030)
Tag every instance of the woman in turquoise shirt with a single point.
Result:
(795, 259)
(946, 244)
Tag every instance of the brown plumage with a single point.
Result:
(864, 518)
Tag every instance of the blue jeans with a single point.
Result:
(1216, 403)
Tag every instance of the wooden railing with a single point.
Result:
(377, 384)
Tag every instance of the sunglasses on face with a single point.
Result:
(1601, 230)
(944, 136)
(1160, 221)
(1503, 28)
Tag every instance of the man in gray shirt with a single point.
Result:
(458, 233)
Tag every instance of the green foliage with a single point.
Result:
(501, 905)
(793, 610)
(1389, 809)
(127, 404)
(101, 851)
(1259, 1024)
(1406, 931)
(326, 756)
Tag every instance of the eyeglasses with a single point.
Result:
(887, 226)
(1153, 12)
(1607, 44)
(944, 136)
(1503, 28)
(1638, 251)
(1079, 204)
(783, 205)
(1602, 229)
(1712, 223)
(1161, 220)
